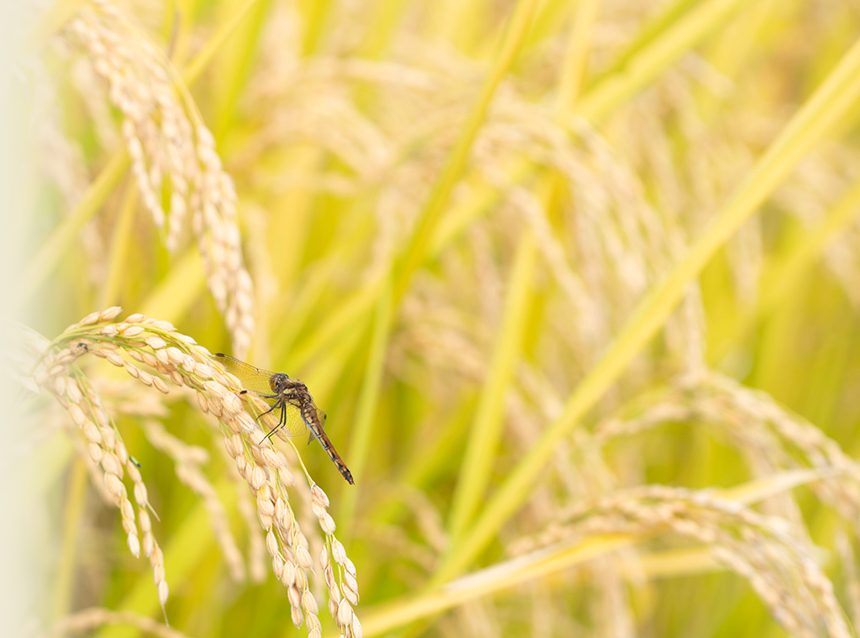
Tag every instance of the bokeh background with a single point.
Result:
(577, 284)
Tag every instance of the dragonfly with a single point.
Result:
(290, 400)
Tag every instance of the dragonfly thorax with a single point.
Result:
(281, 384)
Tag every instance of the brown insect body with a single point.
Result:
(284, 392)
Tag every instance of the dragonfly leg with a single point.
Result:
(266, 412)
(281, 422)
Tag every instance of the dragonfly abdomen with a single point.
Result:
(334, 456)
(311, 418)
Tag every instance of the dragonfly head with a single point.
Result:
(279, 382)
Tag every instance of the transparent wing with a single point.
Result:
(270, 416)
(253, 378)
(275, 416)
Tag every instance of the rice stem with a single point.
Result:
(833, 100)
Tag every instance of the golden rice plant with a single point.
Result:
(576, 284)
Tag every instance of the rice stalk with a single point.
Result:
(487, 428)
(171, 151)
(362, 436)
(823, 110)
(87, 620)
(769, 436)
(153, 353)
(439, 196)
(784, 274)
(778, 565)
(229, 281)
(188, 460)
(672, 33)
(336, 123)
(51, 251)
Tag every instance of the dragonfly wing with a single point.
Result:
(295, 425)
(321, 419)
(251, 377)
(292, 423)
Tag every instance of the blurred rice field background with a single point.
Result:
(577, 284)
